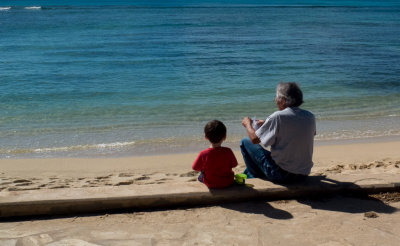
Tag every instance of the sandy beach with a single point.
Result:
(327, 221)
(31, 174)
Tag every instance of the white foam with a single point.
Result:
(112, 145)
(5, 8)
(34, 7)
(85, 147)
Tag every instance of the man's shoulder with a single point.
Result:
(291, 114)
(307, 113)
(296, 111)
(276, 114)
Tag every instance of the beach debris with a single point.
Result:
(371, 215)
(353, 166)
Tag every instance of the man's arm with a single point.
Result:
(250, 130)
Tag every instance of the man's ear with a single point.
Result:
(281, 102)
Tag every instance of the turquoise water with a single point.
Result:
(143, 77)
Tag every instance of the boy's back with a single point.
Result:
(216, 165)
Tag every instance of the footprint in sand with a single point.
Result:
(161, 181)
(59, 187)
(22, 188)
(189, 174)
(125, 175)
(375, 164)
(142, 178)
(24, 184)
(103, 177)
(129, 182)
(21, 181)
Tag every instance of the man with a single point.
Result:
(290, 133)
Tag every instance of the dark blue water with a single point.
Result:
(135, 77)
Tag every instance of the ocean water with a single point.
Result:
(121, 78)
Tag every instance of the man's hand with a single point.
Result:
(260, 122)
(246, 122)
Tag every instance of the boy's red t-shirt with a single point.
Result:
(216, 164)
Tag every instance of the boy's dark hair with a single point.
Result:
(215, 131)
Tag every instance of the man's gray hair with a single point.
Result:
(291, 92)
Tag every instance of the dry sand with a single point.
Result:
(30, 174)
(327, 221)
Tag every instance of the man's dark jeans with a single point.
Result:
(259, 164)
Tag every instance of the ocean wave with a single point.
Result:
(102, 146)
(33, 8)
(348, 134)
(5, 8)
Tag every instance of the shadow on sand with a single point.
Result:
(318, 192)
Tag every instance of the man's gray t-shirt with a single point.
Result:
(290, 133)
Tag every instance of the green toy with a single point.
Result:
(240, 178)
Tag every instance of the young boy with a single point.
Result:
(216, 162)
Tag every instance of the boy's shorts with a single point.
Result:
(201, 177)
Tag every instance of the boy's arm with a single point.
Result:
(198, 163)
(233, 160)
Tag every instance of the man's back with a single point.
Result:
(291, 137)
